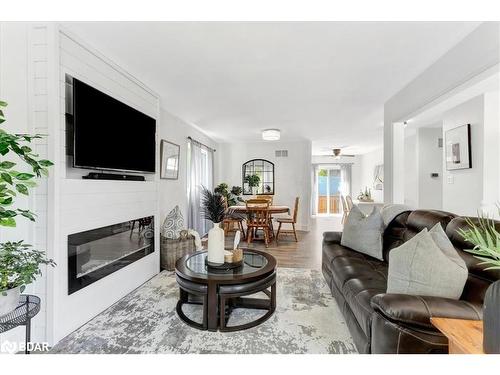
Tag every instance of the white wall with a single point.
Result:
(368, 163)
(80, 205)
(411, 167)
(292, 174)
(463, 189)
(174, 192)
(430, 160)
(19, 82)
(474, 56)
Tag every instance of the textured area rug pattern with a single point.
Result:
(307, 320)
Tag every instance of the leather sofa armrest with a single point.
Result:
(332, 237)
(418, 310)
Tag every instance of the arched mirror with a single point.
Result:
(258, 177)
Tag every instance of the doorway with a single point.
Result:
(328, 193)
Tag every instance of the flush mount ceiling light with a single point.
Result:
(271, 135)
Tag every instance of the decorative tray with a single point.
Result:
(224, 266)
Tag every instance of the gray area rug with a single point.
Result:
(307, 320)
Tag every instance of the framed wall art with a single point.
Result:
(458, 148)
(169, 154)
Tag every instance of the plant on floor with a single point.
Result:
(19, 263)
(232, 197)
(212, 206)
(484, 235)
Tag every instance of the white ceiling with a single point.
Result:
(323, 81)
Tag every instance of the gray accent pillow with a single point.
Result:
(173, 224)
(425, 266)
(364, 233)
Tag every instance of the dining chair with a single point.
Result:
(268, 197)
(289, 220)
(349, 202)
(257, 218)
(230, 220)
(345, 208)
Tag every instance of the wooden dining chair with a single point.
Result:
(349, 202)
(268, 197)
(289, 220)
(230, 220)
(258, 218)
(345, 208)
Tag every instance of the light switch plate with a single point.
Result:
(451, 180)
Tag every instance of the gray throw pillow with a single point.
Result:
(364, 233)
(426, 266)
(173, 224)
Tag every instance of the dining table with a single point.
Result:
(273, 210)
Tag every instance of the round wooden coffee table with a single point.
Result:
(220, 291)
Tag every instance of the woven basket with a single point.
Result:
(172, 250)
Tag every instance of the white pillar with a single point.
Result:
(394, 162)
(491, 154)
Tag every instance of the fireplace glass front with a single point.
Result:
(96, 253)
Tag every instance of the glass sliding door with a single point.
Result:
(328, 190)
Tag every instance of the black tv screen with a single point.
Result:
(109, 134)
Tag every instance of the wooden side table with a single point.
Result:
(464, 336)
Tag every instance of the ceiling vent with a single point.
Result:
(281, 153)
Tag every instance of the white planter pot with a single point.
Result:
(216, 244)
(9, 302)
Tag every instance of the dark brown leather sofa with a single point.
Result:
(397, 323)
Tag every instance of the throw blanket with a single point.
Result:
(390, 211)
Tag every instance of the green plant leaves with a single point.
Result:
(8, 222)
(6, 177)
(20, 182)
(23, 189)
(6, 165)
(24, 176)
(20, 265)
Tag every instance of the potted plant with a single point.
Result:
(213, 210)
(19, 263)
(232, 197)
(19, 266)
(253, 181)
(485, 237)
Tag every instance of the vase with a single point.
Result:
(216, 244)
(491, 319)
(9, 302)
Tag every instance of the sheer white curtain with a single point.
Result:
(200, 173)
(314, 196)
(345, 179)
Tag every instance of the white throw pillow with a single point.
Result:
(364, 233)
(173, 224)
(427, 265)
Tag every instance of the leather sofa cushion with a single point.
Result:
(418, 310)
(358, 294)
(345, 268)
(334, 250)
(359, 277)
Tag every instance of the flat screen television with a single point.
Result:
(110, 135)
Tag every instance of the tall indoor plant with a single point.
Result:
(213, 210)
(484, 235)
(19, 263)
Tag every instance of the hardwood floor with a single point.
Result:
(303, 254)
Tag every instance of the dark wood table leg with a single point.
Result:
(212, 306)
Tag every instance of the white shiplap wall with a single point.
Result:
(80, 205)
